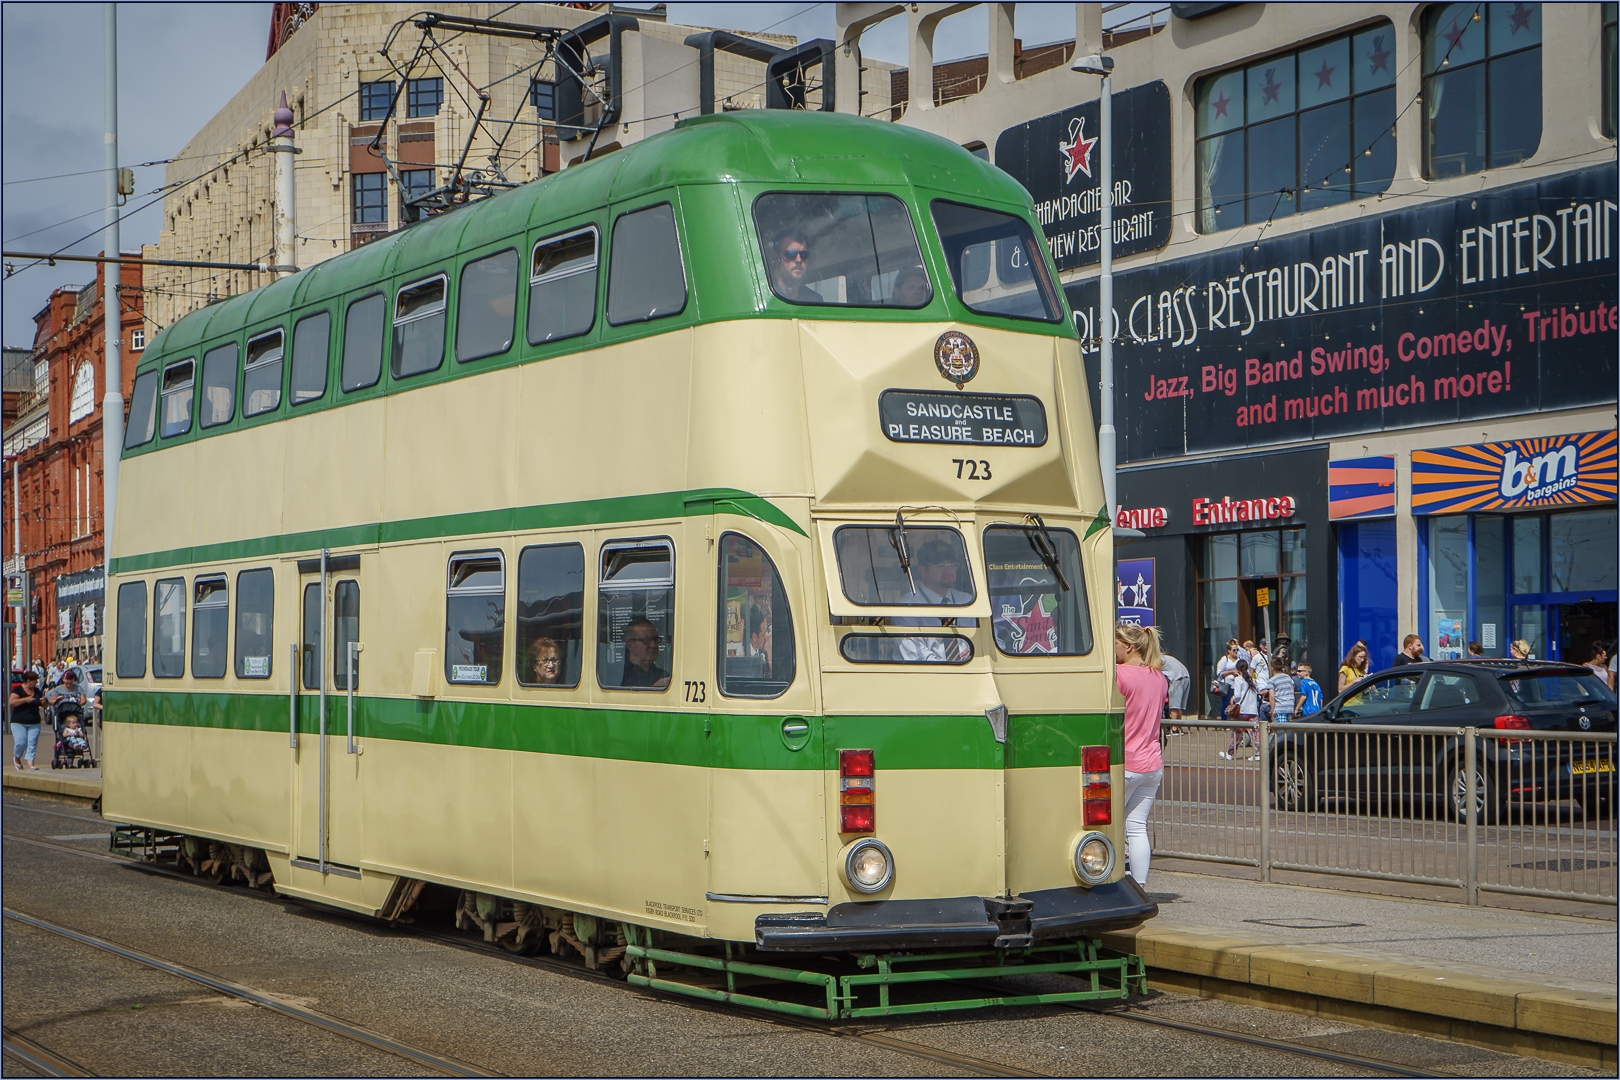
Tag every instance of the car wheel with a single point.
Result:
(1487, 807)
(1293, 784)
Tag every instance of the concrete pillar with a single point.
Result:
(924, 20)
(1002, 54)
(1088, 31)
(852, 21)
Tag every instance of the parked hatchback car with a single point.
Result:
(1378, 760)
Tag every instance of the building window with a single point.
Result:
(137, 340)
(1251, 586)
(423, 97)
(375, 99)
(1299, 131)
(370, 198)
(83, 401)
(1610, 12)
(1481, 86)
(414, 183)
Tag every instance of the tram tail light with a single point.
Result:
(857, 799)
(1096, 785)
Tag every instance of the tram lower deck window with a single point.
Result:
(169, 628)
(475, 618)
(635, 621)
(953, 649)
(210, 625)
(756, 628)
(255, 623)
(131, 661)
(551, 615)
(1037, 591)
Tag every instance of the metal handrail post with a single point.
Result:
(292, 698)
(321, 661)
(1471, 815)
(354, 649)
(1264, 798)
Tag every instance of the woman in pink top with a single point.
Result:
(1138, 670)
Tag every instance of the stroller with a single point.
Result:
(72, 751)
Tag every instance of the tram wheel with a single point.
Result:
(529, 947)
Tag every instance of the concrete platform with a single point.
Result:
(70, 785)
(1530, 983)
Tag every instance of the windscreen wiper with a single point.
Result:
(1041, 541)
(902, 548)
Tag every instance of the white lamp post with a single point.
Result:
(1106, 453)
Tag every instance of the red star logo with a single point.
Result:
(1520, 18)
(1076, 153)
(1220, 104)
(1325, 76)
(1379, 56)
(1033, 631)
(1272, 88)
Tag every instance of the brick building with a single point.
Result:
(53, 463)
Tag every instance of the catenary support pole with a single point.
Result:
(285, 209)
(1106, 454)
(112, 398)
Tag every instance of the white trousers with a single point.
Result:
(1140, 789)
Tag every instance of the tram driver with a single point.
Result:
(790, 267)
(936, 587)
(641, 670)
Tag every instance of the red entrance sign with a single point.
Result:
(1229, 510)
(1148, 517)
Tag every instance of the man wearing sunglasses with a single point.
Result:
(790, 267)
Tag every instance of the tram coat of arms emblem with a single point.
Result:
(956, 357)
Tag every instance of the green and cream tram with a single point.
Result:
(693, 559)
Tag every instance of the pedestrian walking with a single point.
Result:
(1475, 649)
(1600, 660)
(1354, 666)
(1223, 666)
(1520, 650)
(1308, 697)
(1180, 687)
(1411, 651)
(1282, 691)
(1245, 706)
(26, 702)
(1138, 671)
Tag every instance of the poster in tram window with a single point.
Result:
(1034, 611)
(1135, 584)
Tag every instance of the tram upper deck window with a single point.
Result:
(882, 565)
(169, 628)
(311, 339)
(562, 286)
(179, 380)
(475, 618)
(131, 657)
(261, 375)
(635, 615)
(486, 309)
(363, 343)
(646, 279)
(551, 615)
(210, 623)
(997, 263)
(419, 327)
(756, 627)
(142, 410)
(218, 403)
(853, 250)
(1037, 591)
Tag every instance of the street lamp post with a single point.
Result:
(1106, 453)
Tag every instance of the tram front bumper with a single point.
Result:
(1045, 915)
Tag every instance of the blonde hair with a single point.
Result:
(1143, 640)
(1521, 647)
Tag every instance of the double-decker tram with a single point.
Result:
(693, 561)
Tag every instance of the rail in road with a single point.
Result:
(867, 1034)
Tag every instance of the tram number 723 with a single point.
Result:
(976, 470)
(696, 691)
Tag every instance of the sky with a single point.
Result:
(179, 64)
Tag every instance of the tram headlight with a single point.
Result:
(868, 865)
(1094, 858)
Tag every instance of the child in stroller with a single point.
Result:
(67, 705)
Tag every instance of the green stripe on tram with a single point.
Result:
(586, 512)
(704, 740)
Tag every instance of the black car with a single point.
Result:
(1374, 761)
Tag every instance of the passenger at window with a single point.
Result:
(790, 267)
(641, 670)
(759, 641)
(545, 662)
(911, 288)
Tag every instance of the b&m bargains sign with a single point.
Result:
(1562, 470)
(1497, 304)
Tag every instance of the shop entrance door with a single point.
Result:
(1577, 627)
(1257, 615)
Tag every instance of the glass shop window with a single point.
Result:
(756, 627)
(635, 620)
(551, 615)
(475, 618)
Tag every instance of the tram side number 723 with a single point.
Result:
(976, 470)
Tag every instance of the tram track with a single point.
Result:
(38, 1058)
(884, 1040)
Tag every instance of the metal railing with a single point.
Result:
(1477, 809)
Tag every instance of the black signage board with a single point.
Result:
(1058, 158)
(1498, 304)
(932, 416)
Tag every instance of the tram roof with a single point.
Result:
(826, 150)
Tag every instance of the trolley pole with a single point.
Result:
(1097, 64)
(112, 400)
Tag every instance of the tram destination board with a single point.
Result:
(929, 416)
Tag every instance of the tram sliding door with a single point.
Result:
(767, 817)
(326, 762)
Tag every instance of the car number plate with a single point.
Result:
(1586, 765)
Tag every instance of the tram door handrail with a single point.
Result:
(321, 667)
(292, 697)
(354, 650)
